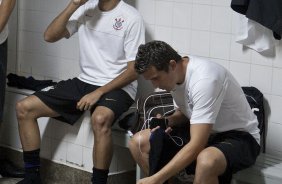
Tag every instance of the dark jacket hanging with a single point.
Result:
(266, 12)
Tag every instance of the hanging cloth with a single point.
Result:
(254, 35)
(266, 12)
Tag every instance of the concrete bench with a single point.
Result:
(121, 137)
(267, 170)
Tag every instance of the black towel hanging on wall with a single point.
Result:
(266, 12)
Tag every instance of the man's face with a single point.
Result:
(160, 79)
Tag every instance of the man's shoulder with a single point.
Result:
(130, 11)
(91, 3)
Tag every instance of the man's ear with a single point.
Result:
(172, 64)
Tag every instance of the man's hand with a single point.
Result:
(86, 102)
(167, 130)
(79, 2)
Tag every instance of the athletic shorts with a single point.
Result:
(63, 98)
(239, 148)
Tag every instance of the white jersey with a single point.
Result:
(210, 94)
(108, 40)
(4, 33)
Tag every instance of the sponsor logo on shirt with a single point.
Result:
(118, 25)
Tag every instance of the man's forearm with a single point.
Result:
(181, 160)
(128, 76)
(6, 9)
(57, 29)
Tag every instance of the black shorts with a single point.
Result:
(239, 148)
(63, 98)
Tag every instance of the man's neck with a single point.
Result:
(182, 69)
(107, 5)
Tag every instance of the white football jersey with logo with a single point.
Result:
(108, 40)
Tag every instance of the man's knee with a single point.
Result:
(211, 161)
(140, 140)
(205, 161)
(23, 109)
(101, 123)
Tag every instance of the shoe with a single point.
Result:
(31, 178)
(8, 169)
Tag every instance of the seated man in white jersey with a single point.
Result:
(109, 32)
(222, 136)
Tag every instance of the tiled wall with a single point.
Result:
(204, 28)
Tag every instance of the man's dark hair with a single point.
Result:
(157, 54)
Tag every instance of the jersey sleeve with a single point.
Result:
(206, 98)
(135, 37)
(75, 20)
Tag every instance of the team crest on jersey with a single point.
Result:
(118, 25)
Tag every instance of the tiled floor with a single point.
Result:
(9, 180)
(15, 180)
(52, 173)
(125, 178)
(111, 180)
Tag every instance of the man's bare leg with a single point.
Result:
(102, 119)
(28, 110)
(211, 163)
(139, 147)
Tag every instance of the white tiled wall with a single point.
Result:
(204, 28)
